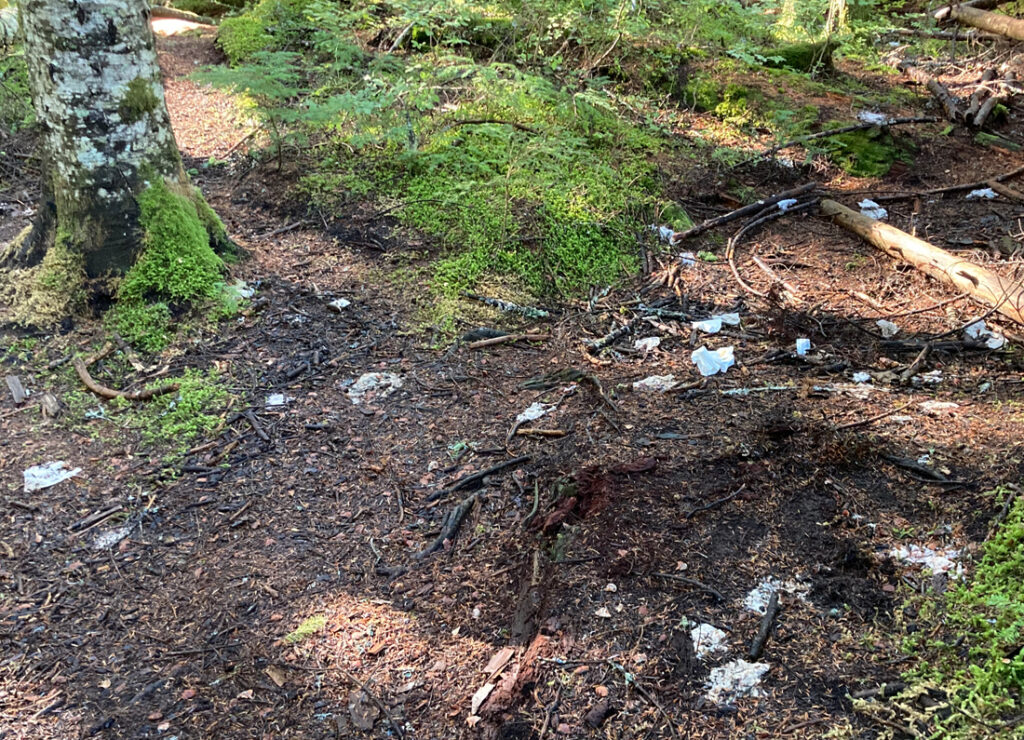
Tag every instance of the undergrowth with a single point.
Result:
(527, 139)
(977, 658)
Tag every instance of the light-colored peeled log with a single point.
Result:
(943, 13)
(993, 22)
(983, 285)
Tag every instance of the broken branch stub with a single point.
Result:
(985, 286)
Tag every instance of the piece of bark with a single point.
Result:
(985, 286)
(598, 714)
(978, 95)
(1007, 89)
(1004, 25)
(765, 631)
(50, 406)
(17, 389)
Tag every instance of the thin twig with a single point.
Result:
(476, 477)
(631, 681)
(871, 420)
(692, 582)
(716, 503)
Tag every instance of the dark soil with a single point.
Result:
(179, 630)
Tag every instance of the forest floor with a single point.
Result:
(271, 583)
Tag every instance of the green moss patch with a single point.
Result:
(138, 100)
(867, 153)
(977, 662)
(177, 266)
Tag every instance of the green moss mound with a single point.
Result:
(177, 267)
(979, 666)
(270, 25)
(809, 56)
(868, 153)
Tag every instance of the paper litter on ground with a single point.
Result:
(713, 325)
(338, 304)
(981, 193)
(374, 386)
(106, 540)
(757, 600)
(867, 116)
(656, 383)
(861, 377)
(803, 346)
(708, 640)
(734, 680)
(535, 411)
(277, 399)
(710, 363)
(48, 474)
(888, 328)
(937, 561)
(664, 232)
(872, 210)
(933, 407)
(980, 332)
(647, 344)
(785, 205)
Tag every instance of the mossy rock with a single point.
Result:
(270, 25)
(208, 8)
(703, 93)
(803, 57)
(241, 37)
(866, 153)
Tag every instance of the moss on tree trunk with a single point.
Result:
(113, 182)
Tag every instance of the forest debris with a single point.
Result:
(48, 474)
(943, 13)
(711, 363)
(744, 211)
(714, 324)
(475, 478)
(939, 91)
(982, 284)
(508, 339)
(611, 337)
(101, 390)
(50, 406)
(871, 209)
(716, 503)
(1006, 191)
(526, 311)
(374, 386)
(598, 714)
(693, 582)
(479, 697)
(734, 680)
(708, 641)
(834, 132)
(765, 630)
(361, 708)
(656, 383)
(18, 391)
(449, 527)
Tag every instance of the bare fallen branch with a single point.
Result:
(105, 392)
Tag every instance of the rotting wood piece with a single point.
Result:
(103, 391)
(1006, 191)
(979, 283)
(939, 91)
(18, 391)
(992, 22)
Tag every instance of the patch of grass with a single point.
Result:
(307, 629)
(866, 153)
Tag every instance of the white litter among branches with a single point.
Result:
(48, 474)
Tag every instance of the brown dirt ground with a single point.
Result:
(179, 630)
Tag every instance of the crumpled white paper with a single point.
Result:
(714, 324)
(982, 193)
(978, 331)
(871, 209)
(48, 474)
(710, 363)
(535, 411)
(888, 328)
(656, 383)
(374, 385)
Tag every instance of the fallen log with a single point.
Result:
(943, 13)
(992, 22)
(981, 284)
(1006, 191)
